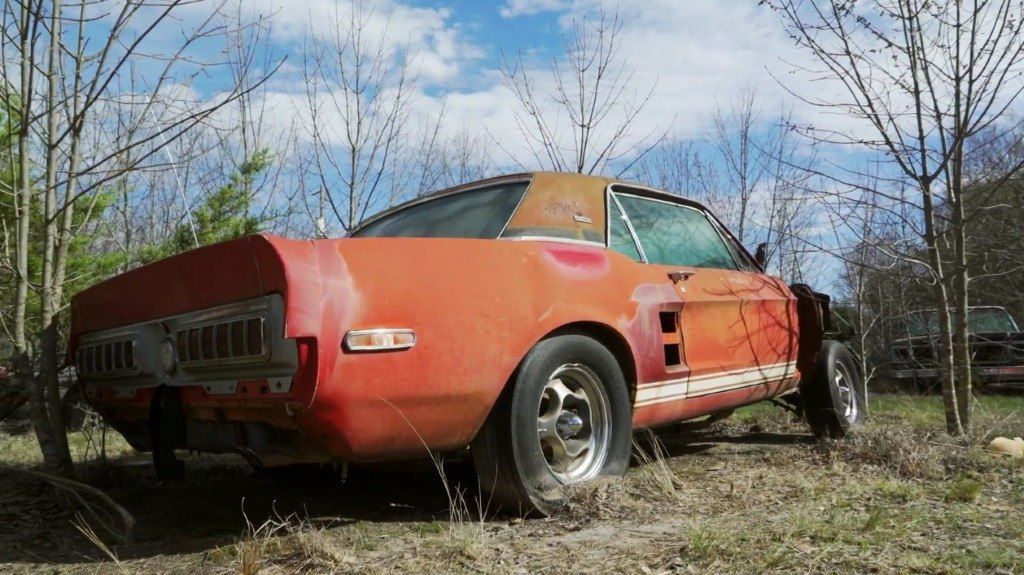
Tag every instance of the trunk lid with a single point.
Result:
(198, 279)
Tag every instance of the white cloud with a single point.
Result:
(697, 54)
(514, 8)
(438, 47)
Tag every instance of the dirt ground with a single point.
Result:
(754, 494)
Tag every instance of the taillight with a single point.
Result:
(234, 340)
(222, 341)
(107, 358)
(237, 336)
(193, 345)
(254, 336)
(207, 342)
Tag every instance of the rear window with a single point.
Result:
(475, 214)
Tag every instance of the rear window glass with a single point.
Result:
(475, 214)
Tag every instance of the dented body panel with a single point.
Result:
(716, 340)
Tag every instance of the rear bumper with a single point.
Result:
(267, 434)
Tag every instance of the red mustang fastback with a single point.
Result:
(536, 319)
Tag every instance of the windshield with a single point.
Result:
(982, 319)
(479, 214)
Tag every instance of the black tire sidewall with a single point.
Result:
(839, 354)
(824, 405)
(539, 483)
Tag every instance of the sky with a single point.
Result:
(689, 55)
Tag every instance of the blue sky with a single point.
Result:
(695, 54)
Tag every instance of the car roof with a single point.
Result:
(562, 184)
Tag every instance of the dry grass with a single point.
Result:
(751, 495)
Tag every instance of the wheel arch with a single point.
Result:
(612, 339)
(609, 337)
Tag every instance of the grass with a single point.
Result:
(22, 449)
(753, 494)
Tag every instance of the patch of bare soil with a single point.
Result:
(755, 494)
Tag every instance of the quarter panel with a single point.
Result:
(477, 307)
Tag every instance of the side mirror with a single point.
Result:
(761, 255)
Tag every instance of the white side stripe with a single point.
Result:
(706, 384)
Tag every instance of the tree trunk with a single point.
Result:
(944, 359)
(58, 456)
(960, 293)
(24, 354)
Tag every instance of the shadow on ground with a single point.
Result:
(221, 498)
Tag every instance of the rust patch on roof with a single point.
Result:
(558, 205)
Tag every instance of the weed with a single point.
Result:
(964, 490)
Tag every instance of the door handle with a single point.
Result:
(680, 275)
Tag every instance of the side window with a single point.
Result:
(619, 238)
(676, 235)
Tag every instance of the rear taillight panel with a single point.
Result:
(230, 341)
(107, 358)
(214, 348)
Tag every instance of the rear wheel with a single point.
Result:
(565, 420)
(833, 397)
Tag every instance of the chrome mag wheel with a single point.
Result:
(847, 395)
(574, 423)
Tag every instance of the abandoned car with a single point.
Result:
(996, 345)
(532, 320)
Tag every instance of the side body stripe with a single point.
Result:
(696, 386)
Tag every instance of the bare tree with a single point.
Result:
(786, 213)
(358, 90)
(733, 132)
(440, 159)
(579, 115)
(679, 166)
(924, 76)
(82, 55)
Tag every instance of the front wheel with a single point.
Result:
(565, 420)
(833, 397)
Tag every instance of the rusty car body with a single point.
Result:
(392, 342)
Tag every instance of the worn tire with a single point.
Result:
(508, 452)
(833, 397)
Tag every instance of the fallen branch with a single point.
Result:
(77, 493)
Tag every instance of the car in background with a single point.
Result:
(996, 345)
(532, 321)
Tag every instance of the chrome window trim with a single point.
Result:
(515, 210)
(687, 204)
(729, 246)
(669, 198)
(553, 239)
(609, 198)
(470, 187)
